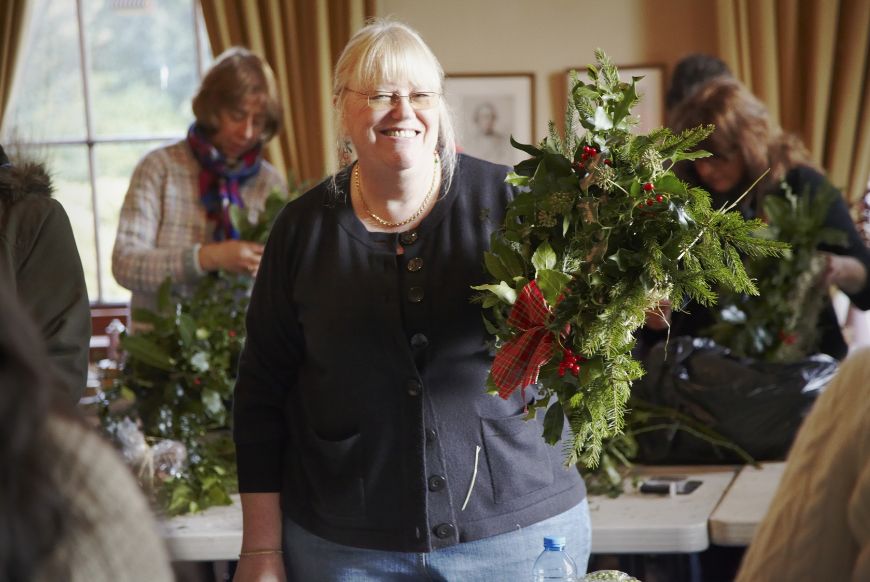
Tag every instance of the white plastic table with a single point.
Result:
(745, 504)
(213, 535)
(641, 523)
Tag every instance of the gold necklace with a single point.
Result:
(411, 218)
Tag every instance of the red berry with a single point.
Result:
(648, 186)
(231, 333)
(649, 201)
(607, 162)
(659, 198)
(561, 372)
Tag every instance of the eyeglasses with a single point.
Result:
(383, 101)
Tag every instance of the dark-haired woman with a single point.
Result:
(176, 216)
(69, 507)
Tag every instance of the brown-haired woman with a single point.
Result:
(175, 220)
(745, 143)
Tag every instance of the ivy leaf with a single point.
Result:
(503, 291)
(214, 406)
(544, 257)
(552, 283)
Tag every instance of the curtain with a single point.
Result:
(13, 18)
(808, 61)
(301, 40)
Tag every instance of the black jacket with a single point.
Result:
(361, 389)
(38, 255)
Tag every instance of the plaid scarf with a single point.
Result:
(219, 183)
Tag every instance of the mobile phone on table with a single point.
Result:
(669, 485)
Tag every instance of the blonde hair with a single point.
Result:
(387, 50)
(744, 128)
(236, 74)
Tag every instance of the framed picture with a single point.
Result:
(651, 108)
(488, 109)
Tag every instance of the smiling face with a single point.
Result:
(400, 137)
(392, 58)
(240, 128)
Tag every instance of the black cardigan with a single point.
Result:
(361, 389)
(802, 180)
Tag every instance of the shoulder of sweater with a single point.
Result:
(804, 177)
(470, 171)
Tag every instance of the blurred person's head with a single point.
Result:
(745, 141)
(237, 104)
(690, 73)
(389, 57)
(33, 514)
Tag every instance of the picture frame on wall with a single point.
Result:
(650, 110)
(489, 108)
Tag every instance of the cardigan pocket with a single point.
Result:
(518, 458)
(334, 472)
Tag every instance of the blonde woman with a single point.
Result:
(367, 446)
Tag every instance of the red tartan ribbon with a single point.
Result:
(518, 362)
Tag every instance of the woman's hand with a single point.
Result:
(235, 256)
(266, 568)
(847, 273)
(659, 319)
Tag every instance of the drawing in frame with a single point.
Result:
(651, 108)
(488, 108)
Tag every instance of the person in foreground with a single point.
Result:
(175, 220)
(39, 259)
(367, 447)
(745, 143)
(69, 507)
(818, 525)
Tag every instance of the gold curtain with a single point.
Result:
(808, 60)
(301, 40)
(13, 17)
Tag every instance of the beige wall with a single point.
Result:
(547, 37)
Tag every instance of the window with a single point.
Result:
(100, 83)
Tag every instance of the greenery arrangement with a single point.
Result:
(599, 234)
(781, 324)
(177, 380)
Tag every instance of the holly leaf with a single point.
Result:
(554, 422)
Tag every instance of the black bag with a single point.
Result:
(759, 406)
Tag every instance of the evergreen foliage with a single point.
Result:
(607, 231)
(176, 381)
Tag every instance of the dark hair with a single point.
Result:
(236, 74)
(743, 128)
(690, 73)
(33, 513)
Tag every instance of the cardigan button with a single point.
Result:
(413, 387)
(445, 530)
(431, 435)
(415, 294)
(419, 341)
(415, 264)
(437, 482)
(409, 237)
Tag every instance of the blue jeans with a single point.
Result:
(506, 557)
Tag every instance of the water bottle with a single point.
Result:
(553, 563)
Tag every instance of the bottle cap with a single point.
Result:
(554, 542)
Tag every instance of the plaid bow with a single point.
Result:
(518, 362)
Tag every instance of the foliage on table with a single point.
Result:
(178, 375)
(600, 232)
(781, 324)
